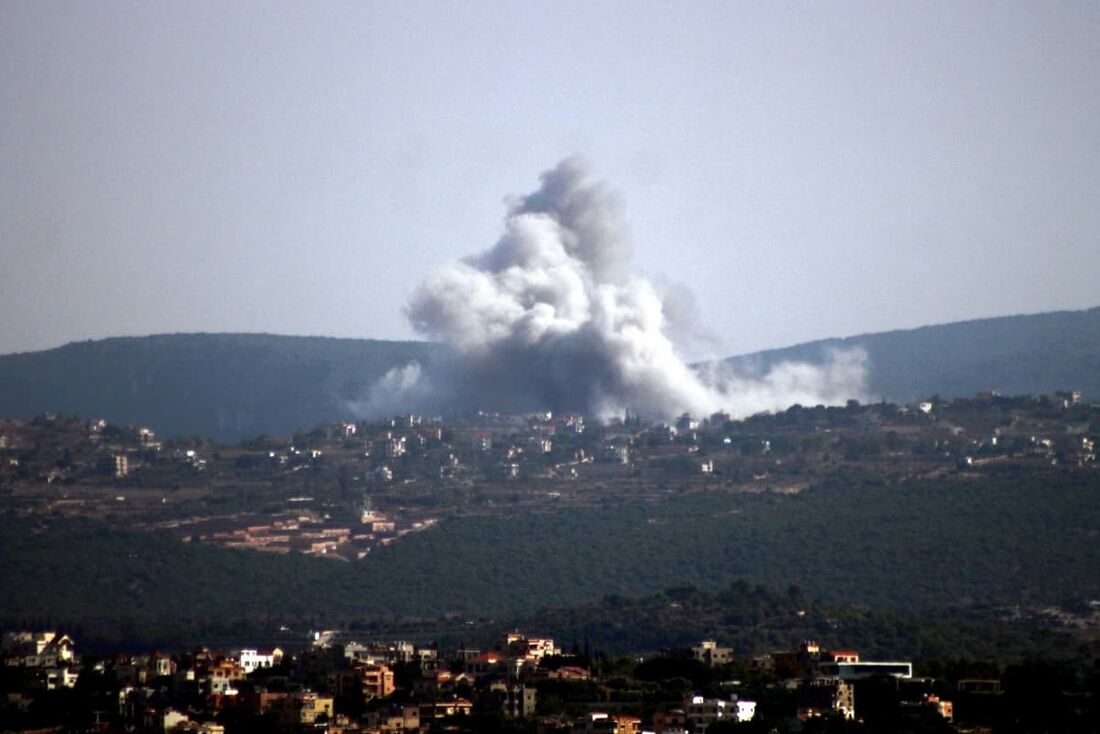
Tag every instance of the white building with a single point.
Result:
(701, 712)
(252, 660)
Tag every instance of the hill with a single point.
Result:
(910, 547)
(1017, 355)
(224, 386)
(236, 386)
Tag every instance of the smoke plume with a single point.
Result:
(551, 317)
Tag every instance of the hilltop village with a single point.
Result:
(337, 685)
(342, 489)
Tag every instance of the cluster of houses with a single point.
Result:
(47, 656)
(302, 531)
(96, 468)
(337, 685)
(825, 681)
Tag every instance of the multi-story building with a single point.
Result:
(377, 681)
(515, 699)
(711, 653)
(252, 659)
(826, 696)
(305, 707)
(701, 712)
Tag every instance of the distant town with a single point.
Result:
(336, 684)
(341, 490)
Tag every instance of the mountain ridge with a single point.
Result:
(234, 386)
(1018, 354)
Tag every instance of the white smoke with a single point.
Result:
(397, 391)
(552, 317)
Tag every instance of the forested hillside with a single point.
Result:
(1006, 539)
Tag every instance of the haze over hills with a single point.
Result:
(1016, 355)
(224, 386)
(236, 386)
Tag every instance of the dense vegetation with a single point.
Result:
(1003, 539)
(998, 540)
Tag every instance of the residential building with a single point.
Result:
(825, 696)
(701, 712)
(443, 709)
(306, 707)
(515, 700)
(377, 681)
(251, 659)
(711, 653)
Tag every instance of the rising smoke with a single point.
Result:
(551, 317)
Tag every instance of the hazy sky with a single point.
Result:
(807, 170)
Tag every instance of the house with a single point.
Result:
(824, 696)
(700, 712)
(594, 723)
(403, 720)
(166, 720)
(516, 645)
(148, 438)
(484, 664)
(671, 721)
(627, 724)
(944, 708)
(710, 653)
(390, 446)
(377, 681)
(435, 682)
(444, 709)
(566, 672)
(514, 700)
(603, 723)
(36, 649)
(686, 423)
(843, 656)
(60, 677)
(262, 701)
(252, 660)
(222, 676)
(305, 707)
(160, 665)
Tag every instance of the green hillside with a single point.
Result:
(1006, 539)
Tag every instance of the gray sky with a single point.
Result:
(807, 170)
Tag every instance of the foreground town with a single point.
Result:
(334, 684)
